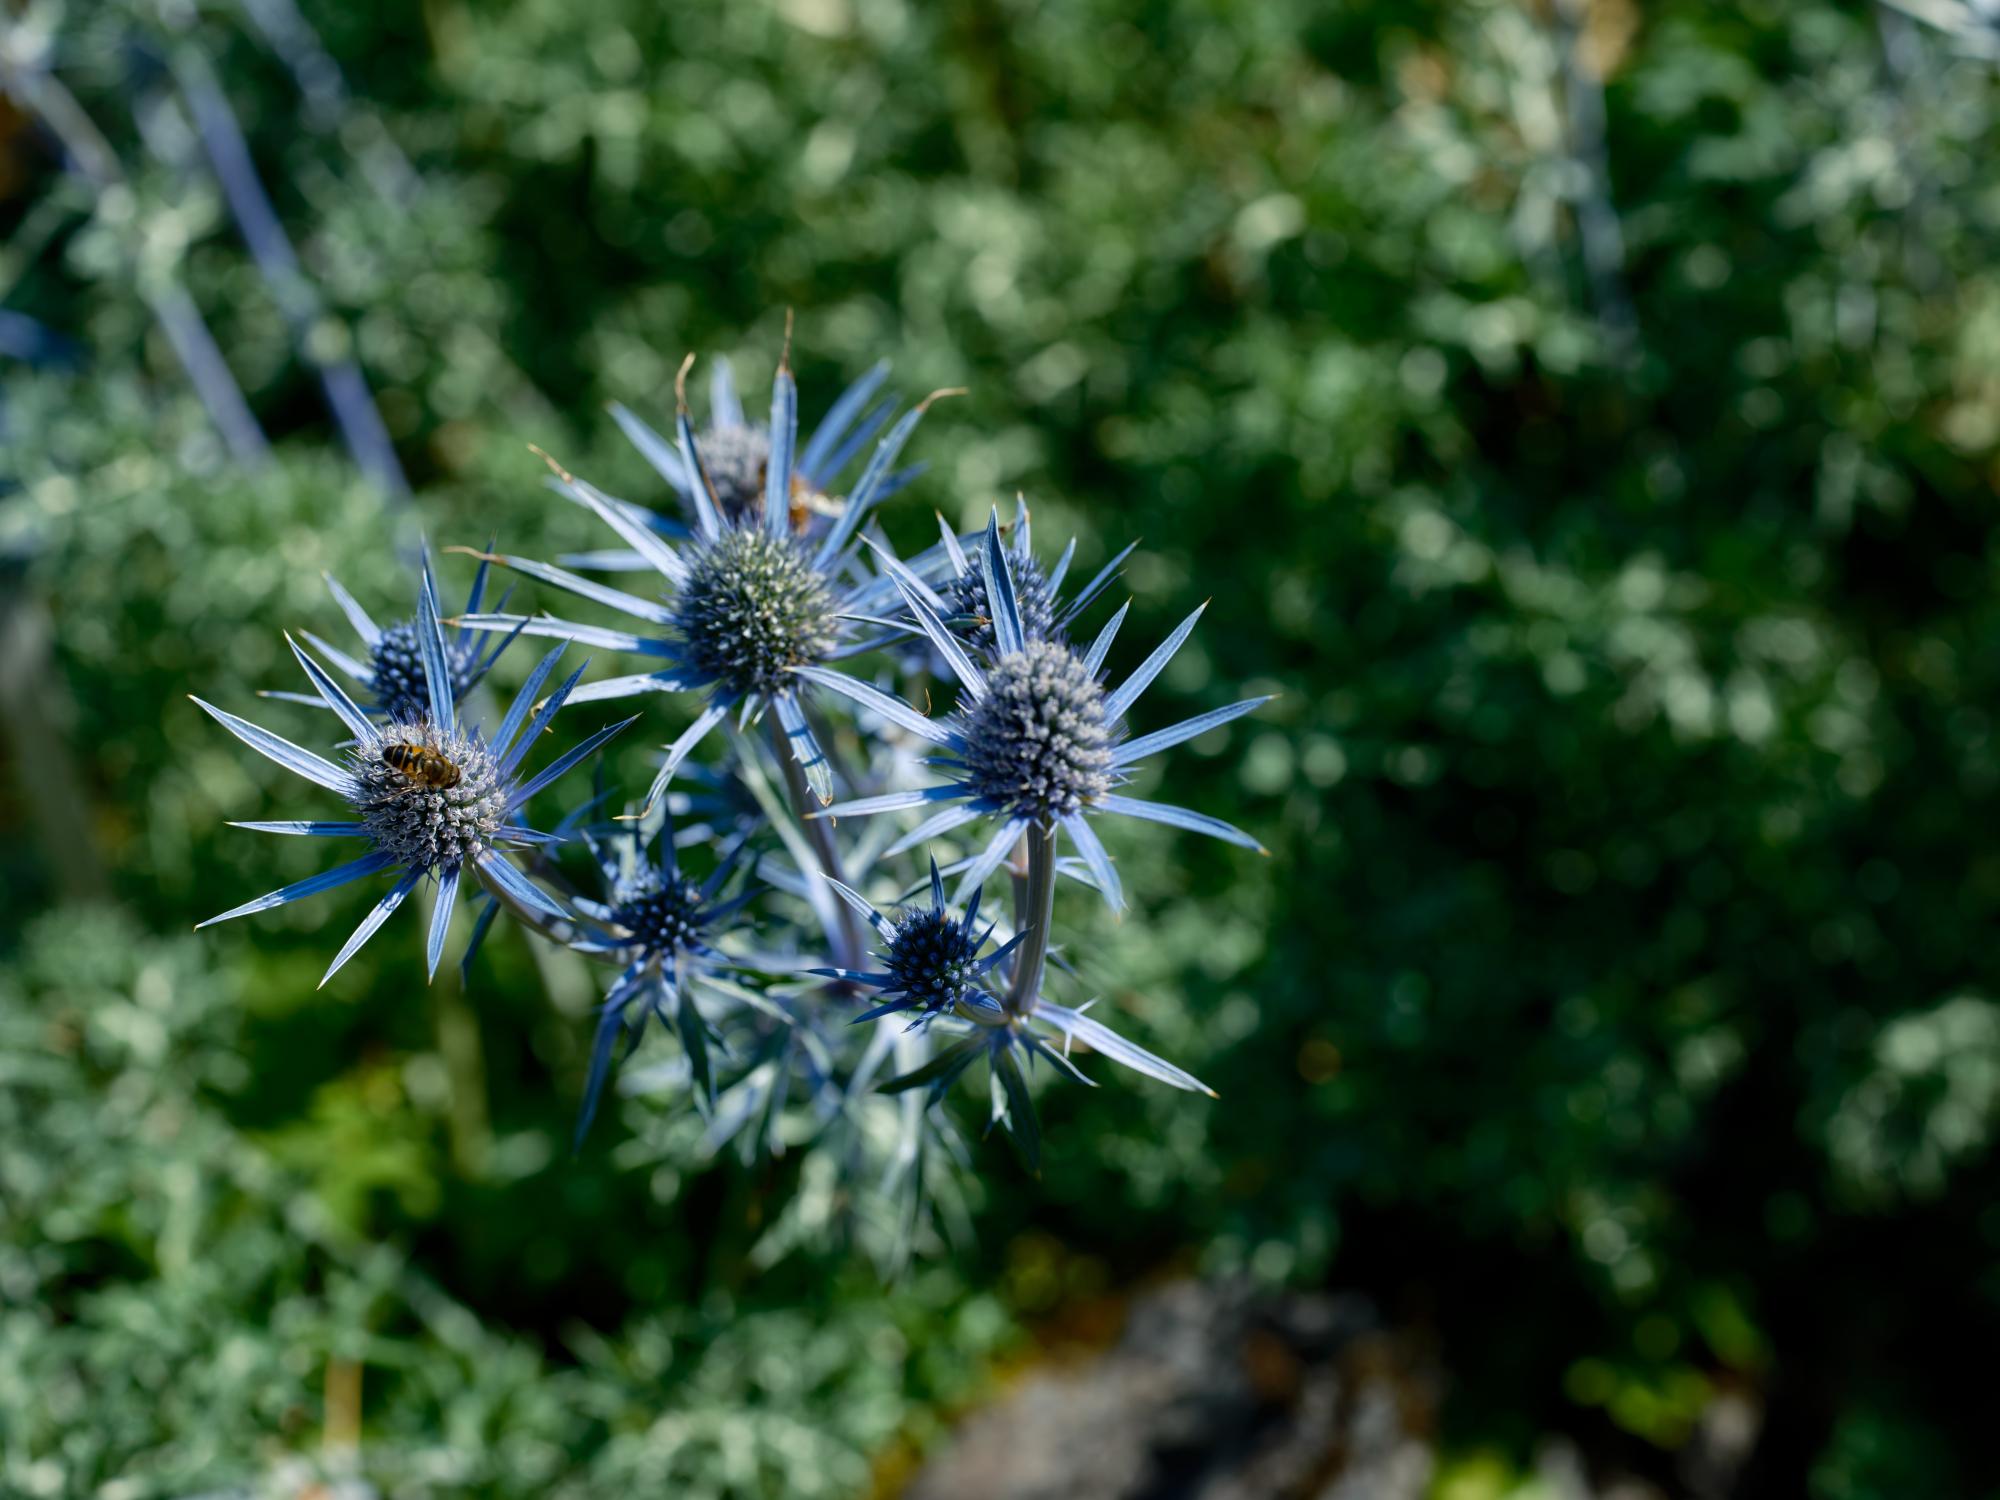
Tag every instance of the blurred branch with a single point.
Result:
(346, 389)
(1904, 63)
(1976, 28)
(92, 160)
(329, 103)
(1603, 241)
(31, 719)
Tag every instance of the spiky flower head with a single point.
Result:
(1037, 740)
(963, 604)
(392, 673)
(933, 971)
(732, 458)
(1036, 743)
(736, 461)
(752, 608)
(396, 670)
(973, 614)
(430, 798)
(735, 458)
(663, 910)
(932, 959)
(660, 927)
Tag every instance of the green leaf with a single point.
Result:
(694, 1039)
(1019, 1115)
(941, 1070)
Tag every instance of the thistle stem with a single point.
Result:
(824, 846)
(1017, 880)
(1034, 918)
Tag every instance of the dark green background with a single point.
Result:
(1613, 1007)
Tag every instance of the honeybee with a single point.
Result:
(808, 502)
(423, 765)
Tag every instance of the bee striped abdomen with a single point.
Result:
(422, 764)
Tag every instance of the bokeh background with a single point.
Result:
(1585, 414)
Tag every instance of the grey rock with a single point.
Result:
(1213, 1392)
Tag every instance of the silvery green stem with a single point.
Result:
(1039, 908)
(825, 849)
(1017, 879)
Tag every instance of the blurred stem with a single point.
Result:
(1602, 238)
(456, 1029)
(32, 711)
(342, 1427)
(93, 161)
(824, 846)
(321, 342)
(1039, 905)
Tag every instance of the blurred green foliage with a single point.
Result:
(1616, 997)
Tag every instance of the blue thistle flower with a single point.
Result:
(735, 458)
(660, 927)
(932, 959)
(753, 611)
(1037, 740)
(932, 967)
(430, 798)
(960, 600)
(392, 675)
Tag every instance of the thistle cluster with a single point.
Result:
(743, 900)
